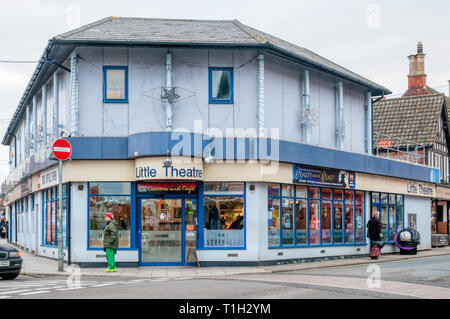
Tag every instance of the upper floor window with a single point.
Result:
(115, 84)
(221, 85)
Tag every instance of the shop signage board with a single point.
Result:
(26, 187)
(48, 178)
(418, 188)
(443, 192)
(323, 176)
(168, 188)
(181, 169)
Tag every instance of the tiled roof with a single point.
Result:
(413, 91)
(413, 119)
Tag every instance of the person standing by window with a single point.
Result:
(374, 230)
(110, 241)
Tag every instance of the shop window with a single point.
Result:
(274, 190)
(314, 222)
(326, 221)
(109, 198)
(287, 190)
(302, 221)
(301, 191)
(338, 231)
(224, 219)
(399, 213)
(50, 210)
(390, 207)
(115, 84)
(221, 85)
(323, 216)
(326, 193)
(288, 222)
(359, 212)
(349, 217)
(274, 222)
(314, 192)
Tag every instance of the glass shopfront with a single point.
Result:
(301, 216)
(168, 222)
(390, 207)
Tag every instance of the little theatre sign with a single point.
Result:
(153, 168)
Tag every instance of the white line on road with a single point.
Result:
(35, 293)
(102, 285)
(74, 288)
(3, 297)
(15, 291)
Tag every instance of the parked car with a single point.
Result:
(10, 262)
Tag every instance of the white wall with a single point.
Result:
(144, 111)
(422, 208)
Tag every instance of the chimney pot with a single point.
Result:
(419, 47)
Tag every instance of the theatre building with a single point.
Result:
(203, 134)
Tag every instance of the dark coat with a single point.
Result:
(111, 235)
(374, 229)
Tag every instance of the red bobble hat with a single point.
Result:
(109, 215)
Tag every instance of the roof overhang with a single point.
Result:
(59, 49)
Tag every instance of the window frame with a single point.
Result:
(105, 71)
(396, 204)
(45, 198)
(210, 97)
(133, 240)
(201, 212)
(308, 199)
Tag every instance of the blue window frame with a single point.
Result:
(222, 221)
(50, 212)
(304, 216)
(221, 85)
(391, 209)
(115, 84)
(116, 198)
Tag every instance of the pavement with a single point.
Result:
(35, 266)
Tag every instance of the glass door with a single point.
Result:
(168, 229)
(161, 230)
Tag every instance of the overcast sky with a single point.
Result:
(371, 38)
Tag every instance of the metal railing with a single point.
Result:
(396, 148)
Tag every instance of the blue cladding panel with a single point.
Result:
(157, 144)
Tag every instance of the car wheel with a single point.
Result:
(9, 276)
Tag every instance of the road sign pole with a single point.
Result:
(60, 221)
(61, 150)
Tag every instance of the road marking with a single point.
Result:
(102, 285)
(15, 291)
(35, 293)
(74, 288)
(3, 297)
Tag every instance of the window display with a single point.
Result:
(50, 206)
(323, 216)
(349, 217)
(301, 221)
(224, 219)
(108, 202)
(288, 221)
(390, 207)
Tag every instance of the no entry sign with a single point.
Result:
(61, 149)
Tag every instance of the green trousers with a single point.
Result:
(110, 254)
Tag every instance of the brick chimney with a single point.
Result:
(417, 79)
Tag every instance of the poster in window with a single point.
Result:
(412, 221)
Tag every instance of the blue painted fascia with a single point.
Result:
(157, 144)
